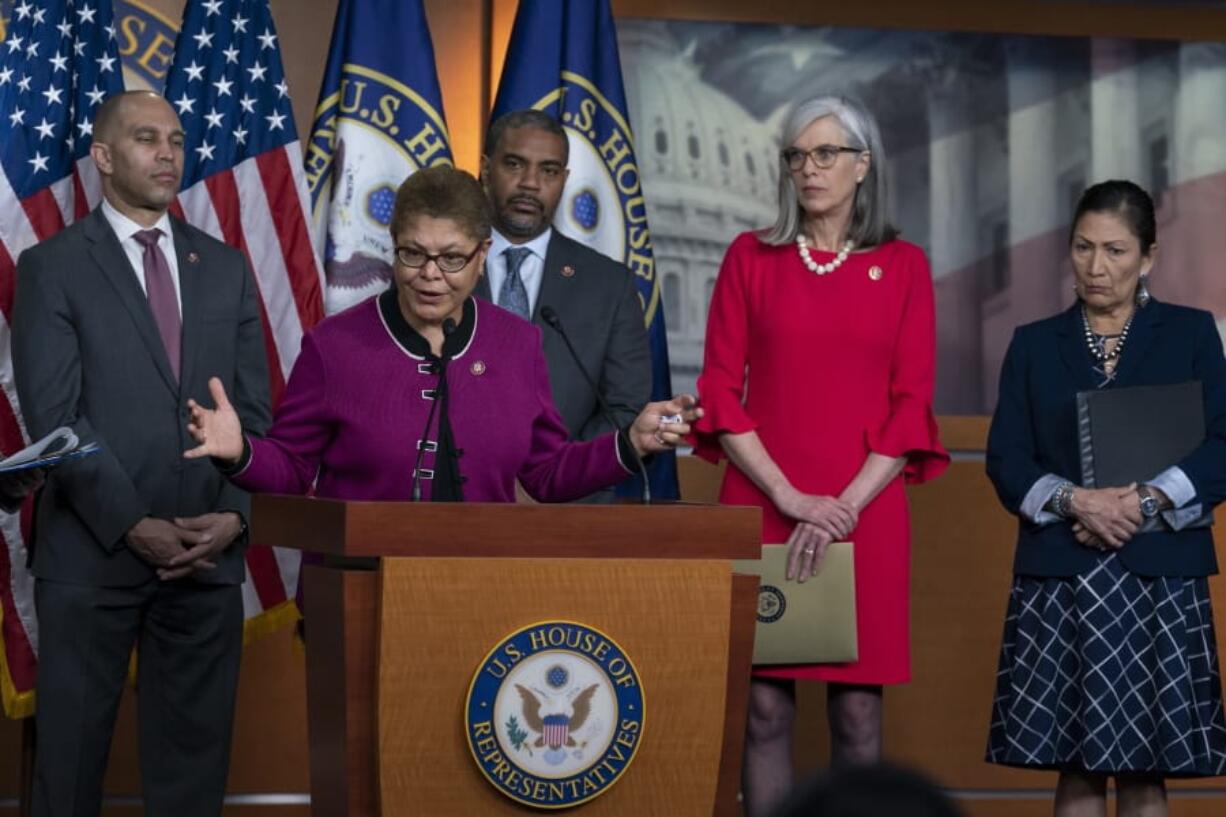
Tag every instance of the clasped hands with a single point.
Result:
(186, 545)
(820, 521)
(1105, 518)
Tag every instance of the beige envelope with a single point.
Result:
(810, 623)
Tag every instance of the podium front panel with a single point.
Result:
(442, 616)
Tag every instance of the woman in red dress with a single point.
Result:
(817, 384)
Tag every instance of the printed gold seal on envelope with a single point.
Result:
(813, 622)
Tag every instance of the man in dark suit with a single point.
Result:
(118, 320)
(531, 266)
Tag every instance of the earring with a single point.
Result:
(1142, 296)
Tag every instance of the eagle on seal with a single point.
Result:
(580, 709)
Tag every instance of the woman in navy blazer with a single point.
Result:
(1108, 665)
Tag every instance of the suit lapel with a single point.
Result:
(554, 289)
(192, 281)
(483, 284)
(1073, 349)
(117, 269)
(1142, 337)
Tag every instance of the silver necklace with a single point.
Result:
(802, 246)
(1107, 361)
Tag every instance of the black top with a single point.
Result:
(448, 481)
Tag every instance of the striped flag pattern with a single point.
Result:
(243, 183)
(58, 61)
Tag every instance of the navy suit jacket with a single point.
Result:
(1034, 431)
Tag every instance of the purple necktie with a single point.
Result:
(160, 289)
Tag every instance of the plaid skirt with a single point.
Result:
(1109, 672)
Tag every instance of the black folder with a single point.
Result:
(1133, 434)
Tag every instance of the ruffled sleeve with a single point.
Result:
(721, 386)
(910, 430)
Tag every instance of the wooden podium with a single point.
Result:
(409, 599)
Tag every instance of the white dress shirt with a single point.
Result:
(125, 228)
(530, 272)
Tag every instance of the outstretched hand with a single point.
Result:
(662, 426)
(218, 431)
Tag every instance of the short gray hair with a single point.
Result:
(868, 226)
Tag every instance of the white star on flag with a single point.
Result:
(53, 95)
(214, 119)
(212, 7)
(231, 55)
(267, 39)
(205, 151)
(23, 11)
(204, 39)
(247, 102)
(14, 44)
(45, 129)
(24, 83)
(39, 162)
(60, 62)
(240, 24)
(275, 120)
(86, 127)
(184, 104)
(17, 117)
(257, 72)
(96, 96)
(86, 14)
(223, 86)
(282, 89)
(240, 136)
(194, 71)
(105, 64)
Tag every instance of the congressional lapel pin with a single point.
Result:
(568, 271)
(193, 258)
(875, 273)
(478, 367)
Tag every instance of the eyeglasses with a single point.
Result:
(446, 261)
(824, 156)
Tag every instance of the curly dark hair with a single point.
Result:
(443, 191)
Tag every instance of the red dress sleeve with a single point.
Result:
(911, 429)
(721, 386)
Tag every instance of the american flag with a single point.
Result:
(58, 61)
(243, 183)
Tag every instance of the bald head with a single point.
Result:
(138, 149)
(110, 113)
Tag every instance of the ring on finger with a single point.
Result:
(810, 550)
(658, 438)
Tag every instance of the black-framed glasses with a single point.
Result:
(824, 156)
(446, 261)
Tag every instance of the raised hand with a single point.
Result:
(662, 426)
(218, 431)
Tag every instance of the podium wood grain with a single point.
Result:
(671, 617)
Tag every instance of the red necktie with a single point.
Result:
(160, 290)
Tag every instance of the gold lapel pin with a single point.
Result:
(568, 271)
(875, 273)
(478, 367)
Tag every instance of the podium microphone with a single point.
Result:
(550, 316)
(439, 385)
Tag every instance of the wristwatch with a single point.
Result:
(1149, 502)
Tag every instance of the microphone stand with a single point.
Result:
(550, 316)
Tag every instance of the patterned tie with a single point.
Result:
(160, 289)
(512, 295)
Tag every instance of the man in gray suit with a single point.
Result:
(118, 320)
(531, 265)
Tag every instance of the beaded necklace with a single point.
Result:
(1107, 361)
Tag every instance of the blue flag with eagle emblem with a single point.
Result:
(563, 60)
(379, 119)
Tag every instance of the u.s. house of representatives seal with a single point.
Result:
(771, 604)
(555, 714)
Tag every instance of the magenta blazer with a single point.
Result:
(356, 404)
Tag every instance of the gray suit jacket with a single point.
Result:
(87, 354)
(600, 310)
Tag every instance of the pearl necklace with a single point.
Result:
(802, 246)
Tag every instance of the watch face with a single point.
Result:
(1149, 506)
